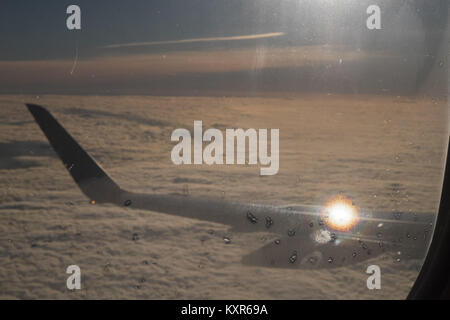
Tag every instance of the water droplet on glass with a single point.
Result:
(330, 260)
(127, 203)
(333, 237)
(227, 240)
(278, 241)
(291, 232)
(379, 235)
(251, 218)
(135, 237)
(441, 63)
(354, 254)
(269, 222)
(293, 257)
(397, 215)
(311, 224)
(380, 225)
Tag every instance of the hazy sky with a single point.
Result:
(158, 46)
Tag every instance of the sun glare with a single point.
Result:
(340, 214)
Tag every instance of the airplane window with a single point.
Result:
(220, 149)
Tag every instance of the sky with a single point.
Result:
(211, 46)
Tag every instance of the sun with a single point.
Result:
(340, 214)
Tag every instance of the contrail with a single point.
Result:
(232, 38)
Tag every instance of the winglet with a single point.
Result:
(89, 176)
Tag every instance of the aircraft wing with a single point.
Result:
(304, 240)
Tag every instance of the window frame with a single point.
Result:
(433, 282)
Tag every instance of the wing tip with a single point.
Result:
(93, 181)
(35, 108)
